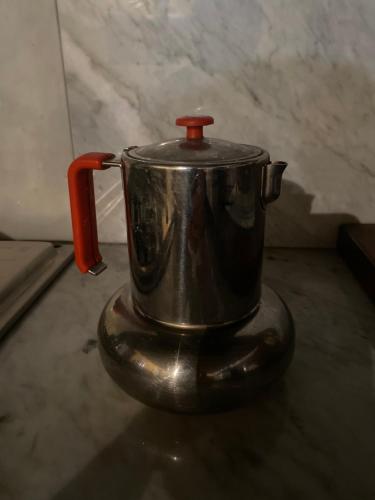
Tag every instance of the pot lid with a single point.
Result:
(197, 149)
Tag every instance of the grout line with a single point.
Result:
(64, 78)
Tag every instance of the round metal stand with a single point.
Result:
(200, 370)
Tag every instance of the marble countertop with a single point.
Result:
(67, 432)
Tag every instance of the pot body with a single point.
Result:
(195, 240)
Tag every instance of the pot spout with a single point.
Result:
(271, 182)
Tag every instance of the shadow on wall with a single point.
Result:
(290, 219)
(4, 237)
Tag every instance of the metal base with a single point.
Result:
(199, 371)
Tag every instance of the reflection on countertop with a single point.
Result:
(67, 432)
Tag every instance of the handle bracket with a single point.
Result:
(98, 268)
(114, 162)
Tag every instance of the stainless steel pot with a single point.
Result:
(195, 210)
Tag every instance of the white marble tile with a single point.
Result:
(35, 144)
(297, 78)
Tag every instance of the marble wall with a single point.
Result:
(296, 77)
(35, 146)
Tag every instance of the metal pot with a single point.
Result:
(195, 210)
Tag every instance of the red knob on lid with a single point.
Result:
(194, 125)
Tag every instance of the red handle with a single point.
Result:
(194, 125)
(82, 205)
